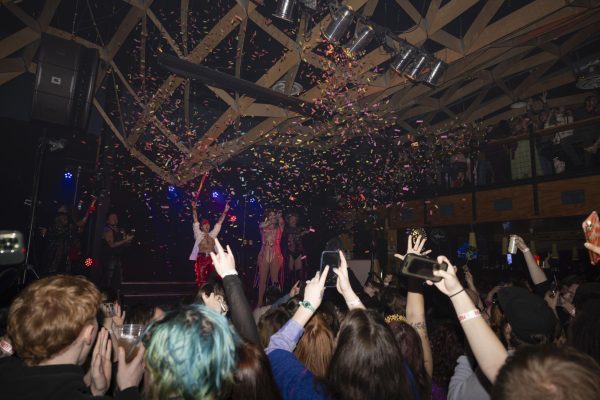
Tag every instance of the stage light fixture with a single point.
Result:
(285, 10)
(416, 66)
(171, 188)
(404, 58)
(363, 35)
(342, 18)
(436, 72)
(68, 175)
(215, 195)
(89, 262)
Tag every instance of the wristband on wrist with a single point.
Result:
(469, 315)
(460, 291)
(525, 250)
(307, 305)
(229, 273)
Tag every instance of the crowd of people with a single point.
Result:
(494, 158)
(391, 338)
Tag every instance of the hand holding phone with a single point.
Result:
(591, 230)
(422, 267)
(331, 258)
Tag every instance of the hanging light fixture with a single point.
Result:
(342, 18)
(555, 251)
(414, 71)
(403, 59)
(285, 10)
(472, 240)
(363, 35)
(437, 69)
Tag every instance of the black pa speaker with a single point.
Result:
(64, 82)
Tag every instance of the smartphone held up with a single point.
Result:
(331, 258)
(422, 267)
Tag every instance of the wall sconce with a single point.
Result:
(363, 35)
(285, 10)
(342, 18)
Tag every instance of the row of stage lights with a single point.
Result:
(410, 61)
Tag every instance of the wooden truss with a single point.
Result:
(484, 57)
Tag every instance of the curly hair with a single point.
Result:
(191, 354)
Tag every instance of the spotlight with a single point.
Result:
(68, 175)
(285, 9)
(215, 195)
(342, 18)
(436, 72)
(252, 200)
(171, 188)
(416, 66)
(402, 61)
(88, 262)
(363, 35)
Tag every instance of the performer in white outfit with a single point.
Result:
(204, 244)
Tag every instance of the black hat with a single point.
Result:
(586, 291)
(527, 313)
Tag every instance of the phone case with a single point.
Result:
(591, 230)
(406, 265)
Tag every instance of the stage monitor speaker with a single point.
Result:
(64, 82)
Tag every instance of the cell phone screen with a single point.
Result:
(421, 267)
(331, 258)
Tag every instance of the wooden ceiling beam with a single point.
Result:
(164, 33)
(486, 14)
(221, 30)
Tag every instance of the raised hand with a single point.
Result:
(313, 292)
(415, 247)
(101, 366)
(119, 317)
(449, 285)
(295, 289)
(223, 260)
(343, 281)
(521, 245)
(227, 207)
(130, 374)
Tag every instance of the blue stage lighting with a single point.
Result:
(215, 195)
(68, 175)
(171, 188)
(252, 200)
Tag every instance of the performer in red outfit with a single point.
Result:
(204, 244)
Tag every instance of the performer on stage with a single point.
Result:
(295, 248)
(64, 245)
(270, 258)
(114, 240)
(204, 244)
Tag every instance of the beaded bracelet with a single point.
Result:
(469, 315)
(307, 305)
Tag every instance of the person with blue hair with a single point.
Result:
(190, 354)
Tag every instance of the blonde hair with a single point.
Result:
(49, 315)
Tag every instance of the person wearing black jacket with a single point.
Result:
(52, 327)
